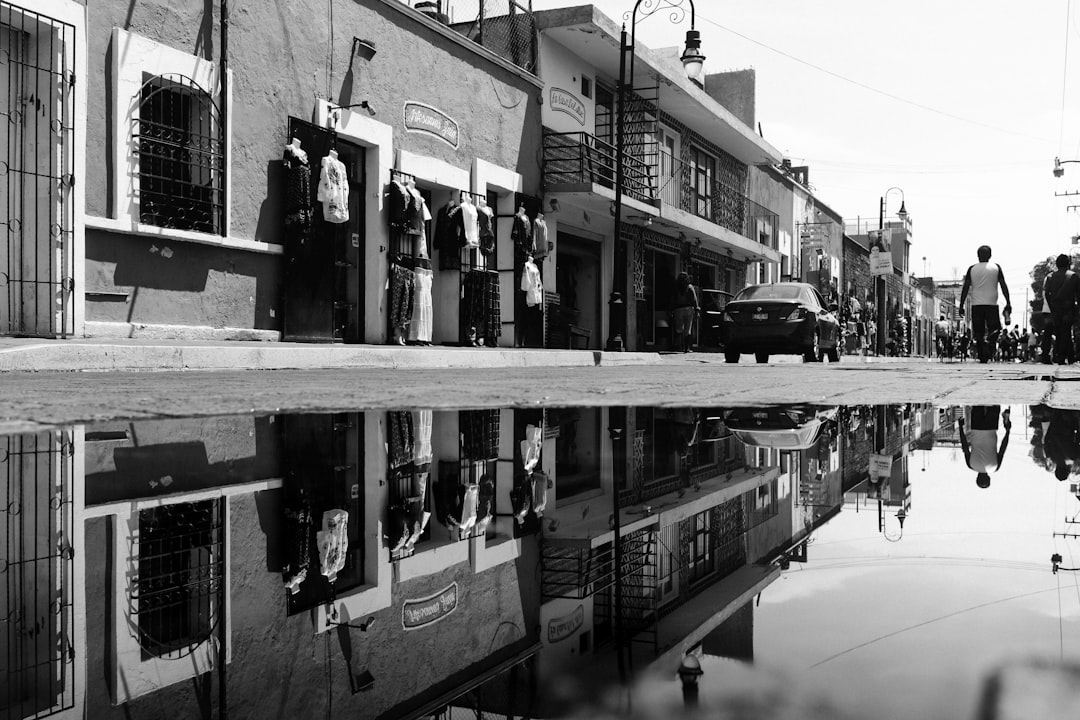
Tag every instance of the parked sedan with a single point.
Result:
(787, 318)
(797, 427)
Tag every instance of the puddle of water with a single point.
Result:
(881, 560)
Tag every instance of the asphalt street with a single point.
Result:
(36, 398)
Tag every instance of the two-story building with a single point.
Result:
(685, 202)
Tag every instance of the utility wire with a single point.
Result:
(931, 621)
(871, 88)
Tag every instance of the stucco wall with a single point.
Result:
(280, 55)
(736, 91)
(281, 668)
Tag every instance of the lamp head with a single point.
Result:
(692, 59)
(690, 670)
(903, 211)
(1058, 170)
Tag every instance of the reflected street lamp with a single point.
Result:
(901, 516)
(689, 673)
(882, 317)
(692, 60)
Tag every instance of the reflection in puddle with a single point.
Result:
(424, 563)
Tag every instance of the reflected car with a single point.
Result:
(785, 318)
(796, 427)
(712, 303)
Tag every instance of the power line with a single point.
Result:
(871, 88)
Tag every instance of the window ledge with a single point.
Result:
(128, 227)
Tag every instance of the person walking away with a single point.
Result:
(1061, 291)
(942, 333)
(980, 443)
(684, 309)
(982, 280)
(1023, 345)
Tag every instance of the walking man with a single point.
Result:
(1061, 290)
(980, 443)
(982, 280)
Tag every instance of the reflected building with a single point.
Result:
(406, 563)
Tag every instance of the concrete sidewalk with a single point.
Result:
(35, 355)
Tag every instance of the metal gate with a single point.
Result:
(37, 159)
(36, 609)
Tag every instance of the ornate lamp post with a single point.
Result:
(692, 60)
(882, 317)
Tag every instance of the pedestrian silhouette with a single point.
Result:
(980, 442)
(1061, 291)
(982, 280)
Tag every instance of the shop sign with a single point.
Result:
(425, 119)
(416, 614)
(563, 627)
(880, 466)
(566, 102)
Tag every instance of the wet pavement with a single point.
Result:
(842, 560)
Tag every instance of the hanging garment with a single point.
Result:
(486, 220)
(402, 440)
(402, 282)
(416, 214)
(485, 505)
(470, 225)
(530, 283)
(481, 305)
(333, 543)
(397, 205)
(334, 189)
(449, 236)
(421, 423)
(540, 492)
(531, 446)
(470, 495)
(298, 211)
(540, 237)
(521, 498)
(422, 321)
(521, 234)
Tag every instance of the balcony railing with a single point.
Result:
(578, 157)
(692, 188)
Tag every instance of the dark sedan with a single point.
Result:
(786, 318)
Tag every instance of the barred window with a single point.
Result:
(180, 145)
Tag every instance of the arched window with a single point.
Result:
(180, 145)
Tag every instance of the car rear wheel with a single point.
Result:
(813, 351)
(731, 357)
(761, 357)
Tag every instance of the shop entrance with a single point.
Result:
(654, 323)
(575, 315)
(323, 283)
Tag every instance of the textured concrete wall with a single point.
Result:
(280, 55)
(736, 91)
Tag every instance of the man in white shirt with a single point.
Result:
(980, 443)
(982, 280)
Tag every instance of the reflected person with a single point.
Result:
(980, 442)
(1061, 441)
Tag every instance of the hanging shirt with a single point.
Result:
(470, 225)
(521, 234)
(397, 205)
(334, 190)
(333, 543)
(486, 220)
(530, 283)
(540, 237)
(530, 447)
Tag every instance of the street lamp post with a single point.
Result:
(882, 317)
(692, 59)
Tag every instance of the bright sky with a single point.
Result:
(959, 104)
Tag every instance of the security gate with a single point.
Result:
(37, 152)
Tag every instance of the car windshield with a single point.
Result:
(770, 292)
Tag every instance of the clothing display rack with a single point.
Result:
(529, 319)
(408, 481)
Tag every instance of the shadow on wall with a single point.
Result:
(245, 286)
(269, 226)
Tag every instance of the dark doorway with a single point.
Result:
(323, 283)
